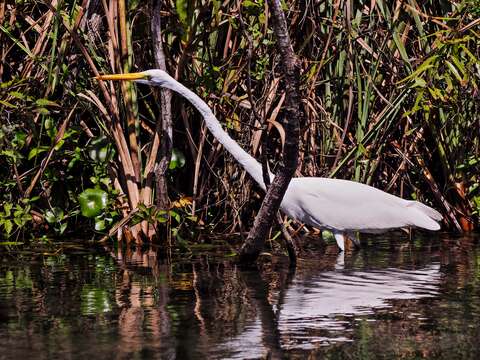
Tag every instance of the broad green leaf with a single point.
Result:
(177, 160)
(92, 202)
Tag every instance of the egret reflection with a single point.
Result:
(325, 301)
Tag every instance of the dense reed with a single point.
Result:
(390, 91)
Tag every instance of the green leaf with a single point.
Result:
(59, 145)
(92, 202)
(16, 41)
(181, 7)
(250, 4)
(35, 151)
(10, 154)
(17, 95)
(19, 139)
(42, 111)
(453, 70)
(161, 216)
(63, 227)
(54, 215)
(459, 64)
(46, 102)
(133, 4)
(427, 64)
(8, 226)
(99, 224)
(7, 104)
(400, 47)
(419, 82)
(177, 160)
(175, 215)
(99, 149)
(7, 207)
(49, 124)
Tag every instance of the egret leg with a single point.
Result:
(340, 240)
(340, 263)
(354, 239)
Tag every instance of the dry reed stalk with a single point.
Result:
(127, 90)
(196, 173)
(114, 124)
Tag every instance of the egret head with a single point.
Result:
(151, 77)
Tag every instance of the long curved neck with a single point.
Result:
(252, 166)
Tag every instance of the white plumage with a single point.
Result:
(342, 206)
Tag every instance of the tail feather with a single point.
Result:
(430, 217)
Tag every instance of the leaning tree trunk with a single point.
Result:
(166, 117)
(271, 203)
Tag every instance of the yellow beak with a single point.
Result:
(127, 77)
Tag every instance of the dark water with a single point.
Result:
(392, 299)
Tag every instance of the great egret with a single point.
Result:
(341, 206)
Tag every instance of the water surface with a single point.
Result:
(392, 299)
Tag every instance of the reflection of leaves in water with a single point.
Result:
(11, 281)
(23, 280)
(94, 300)
(6, 284)
(54, 261)
(365, 334)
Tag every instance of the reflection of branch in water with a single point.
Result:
(270, 334)
(198, 302)
(130, 321)
(143, 304)
(283, 289)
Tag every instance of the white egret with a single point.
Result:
(341, 206)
